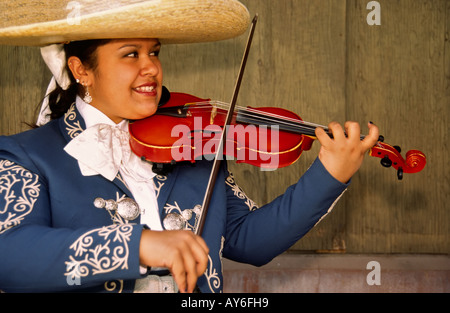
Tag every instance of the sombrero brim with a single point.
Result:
(39, 23)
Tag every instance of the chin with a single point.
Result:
(143, 114)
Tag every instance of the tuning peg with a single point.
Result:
(400, 173)
(386, 162)
(399, 150)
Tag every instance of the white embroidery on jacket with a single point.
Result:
(238, 192)
(93, 258)
(212, 277)
(159, 183)
(13, 178)
(73, 125)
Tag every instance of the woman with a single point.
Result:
(70, 190)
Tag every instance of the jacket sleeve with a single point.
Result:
(34, 256)
(256, 236)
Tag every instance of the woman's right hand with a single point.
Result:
(181, 251)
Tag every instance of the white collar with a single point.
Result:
(93, 116)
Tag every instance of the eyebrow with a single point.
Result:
(138, 46)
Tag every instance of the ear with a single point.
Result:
(79, 71)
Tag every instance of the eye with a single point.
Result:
(154, 53)
(133, 54)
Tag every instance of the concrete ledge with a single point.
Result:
(347, 273)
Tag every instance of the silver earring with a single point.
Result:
(87, 97)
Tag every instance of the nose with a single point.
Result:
(150, 66)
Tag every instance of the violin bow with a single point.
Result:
(218, 158)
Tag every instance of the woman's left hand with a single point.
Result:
(343, 154)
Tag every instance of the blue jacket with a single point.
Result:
(53, 238)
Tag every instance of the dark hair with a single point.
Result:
(60, 100)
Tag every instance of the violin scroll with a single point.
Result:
(390, 156)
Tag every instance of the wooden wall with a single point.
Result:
(321, 59)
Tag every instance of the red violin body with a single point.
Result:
(188, 128)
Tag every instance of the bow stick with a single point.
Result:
(218, 158)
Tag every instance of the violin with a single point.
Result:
(189, 128)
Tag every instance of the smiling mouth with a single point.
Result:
(145, 89)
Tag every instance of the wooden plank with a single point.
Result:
(23, 80)
(398, 78)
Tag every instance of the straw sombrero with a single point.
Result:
(39, 23)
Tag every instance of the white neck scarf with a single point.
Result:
(104, 148)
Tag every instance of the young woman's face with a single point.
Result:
(127, 82)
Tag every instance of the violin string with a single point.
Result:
(306, 128)
(246, 112)
(292, 124)
(277, 117)
(270, 117)
(264, 118)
